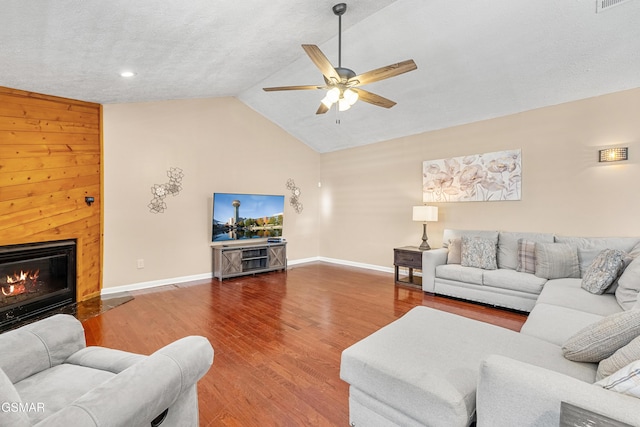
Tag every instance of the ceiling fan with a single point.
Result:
(342, 83)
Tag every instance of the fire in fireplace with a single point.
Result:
(36, 277)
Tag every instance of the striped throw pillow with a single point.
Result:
(601, 339)
(526, 256)
(625, 381)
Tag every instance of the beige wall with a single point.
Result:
(222, 146)
(363, 209)
(367, 192)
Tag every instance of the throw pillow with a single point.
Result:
(526, 256)
(603, 338)
(619, 359)
(556, 261)
(625, 381)
(455, 249)
(603, 271)
(612, 289)
(629, 285)
(478, 252)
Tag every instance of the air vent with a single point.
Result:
(602, 5)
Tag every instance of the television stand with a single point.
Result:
(251, 258)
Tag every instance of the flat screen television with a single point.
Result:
(246, 216)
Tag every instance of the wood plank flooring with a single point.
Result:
(277, 337)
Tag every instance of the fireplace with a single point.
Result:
(35, 278)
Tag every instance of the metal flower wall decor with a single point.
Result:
(477, 178)
(294, 200)
(161, 191)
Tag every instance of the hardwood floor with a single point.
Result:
(277, 337)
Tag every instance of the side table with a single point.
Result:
(574, 416)
(409, 257)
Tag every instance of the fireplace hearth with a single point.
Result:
(35, 278)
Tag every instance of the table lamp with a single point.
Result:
(425, 214)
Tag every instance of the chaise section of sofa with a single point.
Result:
(422, 369)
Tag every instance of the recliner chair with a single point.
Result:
(48, 377)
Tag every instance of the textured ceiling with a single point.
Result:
(476, 59)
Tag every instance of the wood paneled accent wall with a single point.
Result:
(50, 160)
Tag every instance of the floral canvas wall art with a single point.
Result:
(477, 178)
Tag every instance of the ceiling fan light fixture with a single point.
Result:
(343, 104)
(351, 96)
(333, 95)
(339, 80)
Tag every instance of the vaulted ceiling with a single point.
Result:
(476, 59)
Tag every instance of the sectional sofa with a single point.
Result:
(431, 368)
(506, 285)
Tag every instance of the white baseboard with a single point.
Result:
(357, 264)
(154, 283)
(302, 261)
(204, 276)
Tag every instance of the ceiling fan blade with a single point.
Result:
(321, 62)
(306, 87)
(322, 109)
(374, 99)
(383, 73)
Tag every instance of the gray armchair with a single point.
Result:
(48, 377)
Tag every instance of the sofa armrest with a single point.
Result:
(140, 393)
(105, 359)
(430, 260)
(40, 345)
(513, 393)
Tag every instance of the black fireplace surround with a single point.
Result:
(35, 278)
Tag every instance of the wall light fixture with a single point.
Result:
(613, 154)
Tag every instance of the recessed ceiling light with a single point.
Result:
(127, 74)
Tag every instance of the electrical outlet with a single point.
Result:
(140, 263)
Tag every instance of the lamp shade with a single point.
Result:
(425, 213)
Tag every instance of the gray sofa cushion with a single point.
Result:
(511, 279)
(568, 293)
(508, 246)
(629, 285)
(459, 273)
(619, 359)
(590, 247)
(604, 270)
(556, 261)
(556, 324)
(603, 338)
(58, 387)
